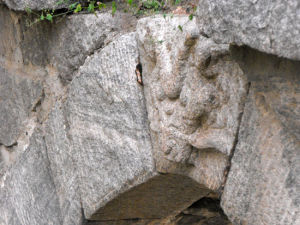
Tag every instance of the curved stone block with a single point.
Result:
(102, 142)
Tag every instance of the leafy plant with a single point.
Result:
(114, 8)
(74, 7)
(177, 2)
(137, 7)
(91, 7)
(152, 4)
(180, 28)
(78, 8)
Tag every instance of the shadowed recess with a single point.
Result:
(157, 198)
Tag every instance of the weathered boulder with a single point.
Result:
(269, 26)
(111, 147)
(18, 98)
(96, 140)
(194, 94)
(107, 125)
(263, 185)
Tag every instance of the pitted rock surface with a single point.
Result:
(194, 95)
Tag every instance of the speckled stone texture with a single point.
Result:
(107, 116)
(18, 98)
(27, 192)
(194, 94)
(269, 26)
(83, 142)
(263, 185)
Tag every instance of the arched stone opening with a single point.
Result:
(159, 197)
(163, 199)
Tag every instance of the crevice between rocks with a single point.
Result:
(89, 54)
(236, 139)
(11, 145)
(39, 102)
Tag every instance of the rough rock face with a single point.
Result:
(18, 97)
(82, 141)
(107, 124)
(109, 132)
(69, 48)
(39, 60)
(27, 191)
(93, 132)
(269, 26)
(73, 158)
(263, 184)
(82, 174)
(194, 94)
(63, 167)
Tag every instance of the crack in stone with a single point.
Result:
(10, 146)
(227, 169)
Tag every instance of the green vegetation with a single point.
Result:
(135, 7)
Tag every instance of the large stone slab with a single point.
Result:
(194, 94)
(27, 192)
(269, 26)
(63, 166)
(263, 185)
(108, 125)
